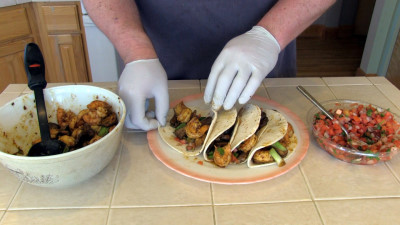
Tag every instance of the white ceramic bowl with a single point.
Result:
(19, 127)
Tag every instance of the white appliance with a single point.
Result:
(105, 63)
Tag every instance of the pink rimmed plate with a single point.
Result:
(196, 167)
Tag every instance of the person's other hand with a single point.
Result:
(240, 68)
(141, 80)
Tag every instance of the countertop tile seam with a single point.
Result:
(212, 203)
(355, 198)
(396, 176)
(15, 194)
(309, 189)
(57, 208)
(115, 179)
(263, 202)
(390, 100)
(157, 206)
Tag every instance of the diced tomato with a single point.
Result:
(378, 129)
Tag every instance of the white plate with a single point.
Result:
(197, 168)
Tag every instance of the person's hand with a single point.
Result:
(240, 68)
(141, 80)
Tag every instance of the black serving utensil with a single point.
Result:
(35, 70)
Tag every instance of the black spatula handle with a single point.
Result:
(34, 66)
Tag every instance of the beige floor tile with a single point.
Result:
(2, 212)
(15, 88)
(311, 81)
(391, 92)
(336, 81)
(276, 213)
(360, 212)
(8, 97)
(193, 215)
(291, 98)
(59, 217)
(95, 192)
(144, 181)
(341, 180)
(379, 80)
(369, 94)
(179, 84)
(287, 187)
(8, 188)
(394, 165)
(111, 86)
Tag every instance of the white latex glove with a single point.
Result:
(240, 68)
(141, 80)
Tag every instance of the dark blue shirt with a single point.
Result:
(188, 35)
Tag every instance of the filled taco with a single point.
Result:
(233, 145)
(187, 129)
(217, 147)
(276, 141)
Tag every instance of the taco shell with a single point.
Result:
(275, 129)
(246, 124)
(225, 120)
(167, 132)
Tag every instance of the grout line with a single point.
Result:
(356, 198)
(213, 203)
(13, 198)
(115, 179)
(159, 206)
(390, 100)
(393, 172)
(57, 208)
(311, 193)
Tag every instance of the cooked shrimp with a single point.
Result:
(109, 120)
(199, 141)
(68, 140)
(94, 139)
(98, 104)
(248, 144)
(64, 117)
(194, 129)
(77, 133)
(91, 117)
(183, 113)
(289, 133)
(262, 156)
(222, 156)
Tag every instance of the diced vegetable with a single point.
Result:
(278, 159)
(279, 146)
(103, 131)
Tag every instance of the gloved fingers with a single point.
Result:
(216, 69)
(162, 105)
(237, 87)
(137, 114)
(221, 89)
(251, 87)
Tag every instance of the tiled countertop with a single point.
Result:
(136, 188)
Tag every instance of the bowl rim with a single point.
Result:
(80, 150)
(310, 115)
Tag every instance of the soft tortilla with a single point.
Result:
(246, 124)
(275, 129)
(225, 120)
(167, 133)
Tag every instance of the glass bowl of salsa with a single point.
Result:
(374, 131)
